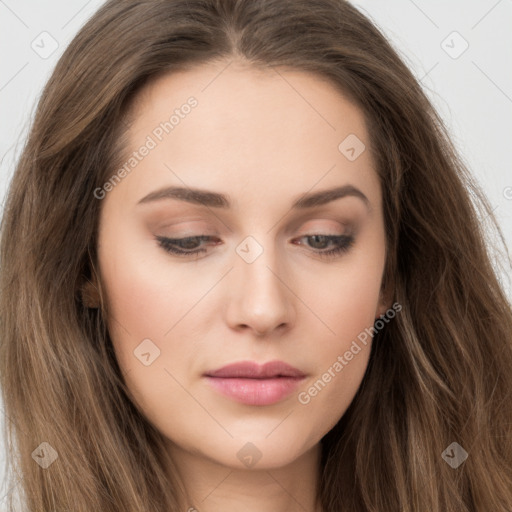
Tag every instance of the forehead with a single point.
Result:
(234, 95)
(250, 127)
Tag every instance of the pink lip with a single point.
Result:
(253, 384)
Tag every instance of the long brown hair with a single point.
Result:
(440, 372)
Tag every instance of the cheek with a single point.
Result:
(348, 308)
(346, 300)
(341, 359)
(146, 295)
(325, 399)
(146, 298)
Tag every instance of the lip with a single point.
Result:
(250, 383)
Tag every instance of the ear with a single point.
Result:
(90, 295)
(385, 301)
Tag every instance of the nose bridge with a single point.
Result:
(258, 263)
(260, 299)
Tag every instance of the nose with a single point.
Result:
(260, 296)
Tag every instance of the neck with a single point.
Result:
(212, 487)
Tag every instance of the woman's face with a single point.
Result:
(241, 172)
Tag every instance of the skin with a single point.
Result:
(264, 138)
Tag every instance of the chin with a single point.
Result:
(256, 452)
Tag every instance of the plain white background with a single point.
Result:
(459, 50)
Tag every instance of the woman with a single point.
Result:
(243, 268)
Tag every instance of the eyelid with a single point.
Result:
(169, 245)
(337, 229)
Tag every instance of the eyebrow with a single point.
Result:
(218, 200)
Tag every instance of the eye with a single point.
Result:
(191, 245)
(339, 243)
(183, 246)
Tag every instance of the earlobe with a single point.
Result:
(383, 307)
(90, 295)
(385, 301)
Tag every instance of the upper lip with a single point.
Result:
(253, 370)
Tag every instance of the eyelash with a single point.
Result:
(168, 244)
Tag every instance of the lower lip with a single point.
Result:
(256, 391)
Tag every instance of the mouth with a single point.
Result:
(249, 383)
